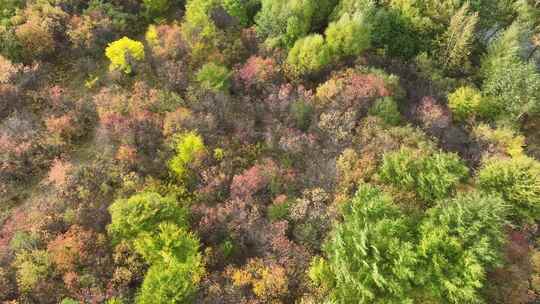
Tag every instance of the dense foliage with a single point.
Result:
(269, 151)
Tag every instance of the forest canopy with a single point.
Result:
(269, 151)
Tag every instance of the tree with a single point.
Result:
(176, 265)
(143, 212)
(189, 146)
(351, 7)
(282, 22)
(123, 53)
(457, 40)
(199, 30)
(459, 240)
(243, 10)
(371, 254)
(511, 86)
(395, 33)
(432, 177)
(214, 77)
(518, 181)
(387, 109)
(169, 241)
(156, 8)
(170, 282)
(465, 103)
(33, 268)
(349, 36)
(512, 90)
(309, 55)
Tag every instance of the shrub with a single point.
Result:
(214, 77)
(501, 140)
(257, 71)
(100, 23)
(165, 41)
(349, 36)
(156, 8)
(279, 211)
(268, 281)
(301, 112)
(311, 218)
(371, 258)
(37, 34)
(189, 146)
(460, 240)
(518, 181)
(465, 102)
(387, 109)
(432, 177)
(7, 70)
(250, 182)
(308, 55)
(144, 212)
(123, 53)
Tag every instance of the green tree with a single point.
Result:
(156, 8)
(349, 36)
(168, 242)
(387, 109)
(198, 29)
(459, 240)
(511, 85)
(309, 55)
(518, 181)
(143, 212)
(371, 254)
(282, 22)
(465, 103)
(123, 53)
(511, 91)
(352, 7)
(243, 10)
(188, 147)
(170, 282)
(457, 41)
(176, 265)
(214, 77)
(32, 268)
(395, 34)
(432, 177)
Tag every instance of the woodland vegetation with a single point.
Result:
(270, 151)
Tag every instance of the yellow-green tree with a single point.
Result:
(123, 53)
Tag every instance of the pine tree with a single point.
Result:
(457, 40)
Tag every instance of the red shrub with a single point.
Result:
(250, 182)
(59, 173)
(431, 114)
(257, 71)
